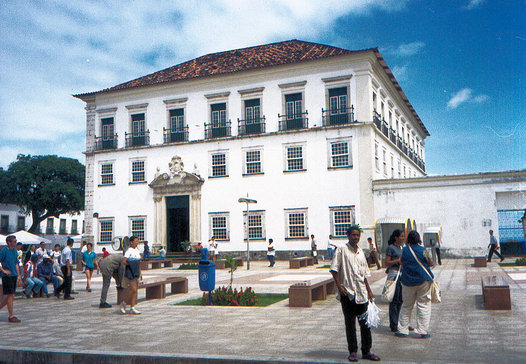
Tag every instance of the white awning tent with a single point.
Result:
(25, 237)
(2, 239)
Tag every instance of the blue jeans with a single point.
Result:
(271, 260)
(34, 284)
(330, 254)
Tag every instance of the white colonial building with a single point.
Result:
(302, 128)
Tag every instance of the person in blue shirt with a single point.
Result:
(46, 274)
(416, 287)
(89, 260)
(10, 276)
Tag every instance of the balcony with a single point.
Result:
(106, 143)
(293, 121)
(218, 130)
(385, 128)
(377, 120)
(338, 116)
(175, 135)
(137, 139)
(251, 126)
(392, 135)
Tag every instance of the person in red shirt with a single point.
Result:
(105, 253)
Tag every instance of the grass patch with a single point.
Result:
(510, 264)
(326, 266)
(188, 266)
(264, 299)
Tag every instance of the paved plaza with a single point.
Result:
(57, 331)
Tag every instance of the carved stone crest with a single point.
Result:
(177, 167)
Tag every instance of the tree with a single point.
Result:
(43, 186)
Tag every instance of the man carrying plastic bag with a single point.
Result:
(350, 270)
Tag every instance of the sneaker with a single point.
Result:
(74, 292)
(57, 294)
(104, 305)
(89, 289)
(411, 328)
(425, 336)
(134, 311)
(13, 320)
(28, 296)
(399, 334)
(123, 308)
(502, 259)
(69, 298)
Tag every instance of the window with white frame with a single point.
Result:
(340, 153)
(138, 173)
(253, 161)
(399, 168)
(105, 230)
(138, 227)
(106, 173)
(218, 164)
(384, 155)
(376, 161)
(296, 223)
(256, 224)
(294, 155)
(404, 171)
(392, 166)
(342, 218)
(219, 225)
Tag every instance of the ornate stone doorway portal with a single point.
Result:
(177, 206)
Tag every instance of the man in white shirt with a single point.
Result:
(271, 252)
(66, 262)
(350, 270)
(41, 251)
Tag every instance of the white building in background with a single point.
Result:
(466, 206)
(302, 128)
(12, 219)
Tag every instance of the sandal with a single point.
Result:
(371, 357)
(353, 358)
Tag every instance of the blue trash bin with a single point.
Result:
(207, 275)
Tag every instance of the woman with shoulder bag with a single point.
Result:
(393, 259)
(416, 287)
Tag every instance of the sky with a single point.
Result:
(461, 63)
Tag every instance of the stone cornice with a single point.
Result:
(337, 78)
(218, 95)
(292, 84)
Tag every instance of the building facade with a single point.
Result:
(302, 128)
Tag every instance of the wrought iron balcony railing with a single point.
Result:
(218, 130)
(137, 139)
(392, 135)
(377, 119)
(251, 126)
(104, 143)
(338, 116)
(293, 121)
(175, 135)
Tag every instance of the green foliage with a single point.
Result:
(226, 296)
(188, 266)
(184, 244)
(44, 186)
(232, 263)
(520, 261)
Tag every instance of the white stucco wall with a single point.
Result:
(464, 205)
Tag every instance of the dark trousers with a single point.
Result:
(351, 311)
(437, 249)
(395, 305)
(491, 251)
(271, 260)
(66, 285)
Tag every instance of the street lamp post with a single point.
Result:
(247, 201)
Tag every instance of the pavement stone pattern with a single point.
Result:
(461, 330)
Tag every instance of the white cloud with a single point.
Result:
(463, 96)
(404, 50)
(400, 72)
(472, 4)
(51, 50)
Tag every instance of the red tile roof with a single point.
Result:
(251, 58)
(268, 55)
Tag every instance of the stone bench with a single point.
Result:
(222, 263)
(303, 293)
(156, 264)
(496, 293)
(480, 262)
(295, 263)
(157, 289)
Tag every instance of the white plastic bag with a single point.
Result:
(373, 315)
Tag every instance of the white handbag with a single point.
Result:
(390, 288)
(436, 296)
